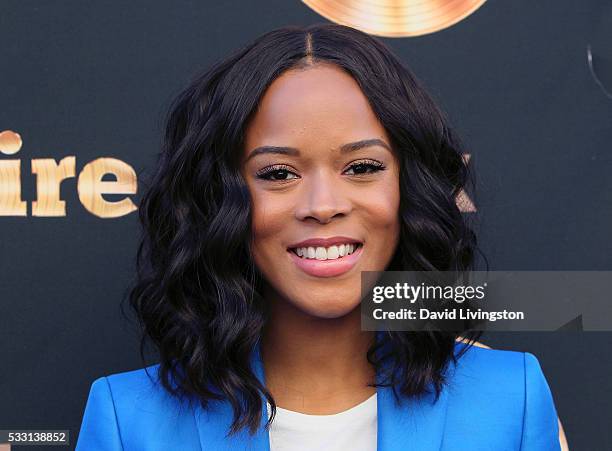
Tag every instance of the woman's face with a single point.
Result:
(319, 166)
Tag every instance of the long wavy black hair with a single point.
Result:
(197, 292)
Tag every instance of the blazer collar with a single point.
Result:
(414, 424)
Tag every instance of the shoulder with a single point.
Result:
(139, 383)
(138, 392)
(485, 371)
(487, 364)
(122, 406)
(504, 391)
(129, 389)
(511, 367)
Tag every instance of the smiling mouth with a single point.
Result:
(325, 253)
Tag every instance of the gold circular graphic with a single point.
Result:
(10, 142)
(395, 18)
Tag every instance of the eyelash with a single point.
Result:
(265, 173)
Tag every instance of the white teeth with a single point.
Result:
(333, 252)
(322, 253)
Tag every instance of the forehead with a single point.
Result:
(322, 102)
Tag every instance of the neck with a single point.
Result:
(316, 365)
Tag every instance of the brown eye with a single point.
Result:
(368, 167)
(275, 173)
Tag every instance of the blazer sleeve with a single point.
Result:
(540, 424)
(99, 428)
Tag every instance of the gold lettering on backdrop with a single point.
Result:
(10, 177)
(91, 187)
(49, 176)
(10, 189)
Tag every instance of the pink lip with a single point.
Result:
(327, 268)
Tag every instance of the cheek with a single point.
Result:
(269, 218)
(382, 205)
(388, 209)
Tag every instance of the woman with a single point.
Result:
(301, 160)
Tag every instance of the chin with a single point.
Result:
(326, 309)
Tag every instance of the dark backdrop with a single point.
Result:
(93, 78)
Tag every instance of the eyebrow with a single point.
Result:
(345, 148)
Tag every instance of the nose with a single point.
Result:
(322, 198)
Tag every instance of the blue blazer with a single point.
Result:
(494, 400)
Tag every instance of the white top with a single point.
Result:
(353, 429)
